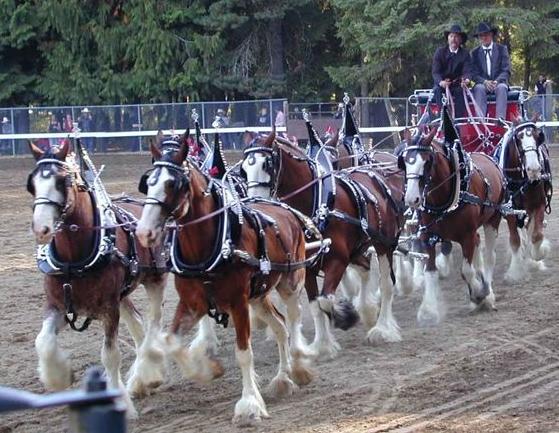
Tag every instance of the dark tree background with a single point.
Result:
(130, 51)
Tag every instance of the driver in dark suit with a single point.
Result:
(452, 68)
(491, 66)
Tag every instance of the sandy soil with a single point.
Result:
(490, 372)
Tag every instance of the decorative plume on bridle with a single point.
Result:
(314, 138)
(449, 130)
(349, 129)
(218, 165)
(202, 146)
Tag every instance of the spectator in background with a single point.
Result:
(340, 111)
(68, 125)
(264, 117)
(54, 128)
(541, 89)
(280, 118)
(222, 121)
(6, 129)
(85, 123)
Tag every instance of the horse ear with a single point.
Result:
(430, 137)
(271, 138)
(35, 150)
(183, 151)
(184, 138)
(63, 150)
(154, 149)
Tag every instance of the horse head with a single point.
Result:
(259, 165)
(53, 187)
(528, 139)
(416, 159)
(167, 187)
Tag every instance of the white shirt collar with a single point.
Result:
(490, 47)
(453, 51)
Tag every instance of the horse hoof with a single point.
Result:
(300, 373)
(249, 411)
(325, 350)
(281, 386)
(379, 335)
(428, 317)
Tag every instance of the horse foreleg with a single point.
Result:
(386, 328)
(477, 286)
(281, 385)
(368, 298)
(251, 407)
(431, 309)
(192, 307)
(110, 357)
(491, 231)
(133, 320)
(540, 245)
(444, 259)
(517, 268)
(300, 352)
(341, 312)
(147, 372)
(324, 343)
(54, 366)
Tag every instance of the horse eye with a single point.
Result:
(171, 183)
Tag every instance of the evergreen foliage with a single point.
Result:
(129, 51)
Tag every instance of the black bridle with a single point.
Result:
(45, 173)
(181, 181)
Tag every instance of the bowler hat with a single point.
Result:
(485, 28)
(455, 28)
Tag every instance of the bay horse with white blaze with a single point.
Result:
(227, 257)
(524, 159)
(456, 193)
(90, 271)
(362, 212)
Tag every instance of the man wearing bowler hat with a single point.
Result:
(491, 70)
(452, 68)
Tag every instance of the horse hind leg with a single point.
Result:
(54, 366)
(203, 351)
(251, 407)
(110, 357)
(444, 259)
(148, 370)
(386, 328)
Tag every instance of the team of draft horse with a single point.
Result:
(245, 241)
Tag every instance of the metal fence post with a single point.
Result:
(139, 127)
(13, 132)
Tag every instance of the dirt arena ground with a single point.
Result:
(495, 372)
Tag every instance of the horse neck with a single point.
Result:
(439, 179)
(195, 241)
(73, 246)
(293, 175)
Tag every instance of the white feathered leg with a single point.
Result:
(386, 328)
(54, 366)
(430, 311)
(148, 371)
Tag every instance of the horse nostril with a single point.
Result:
(45, 230)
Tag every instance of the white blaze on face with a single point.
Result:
(253, 166)
(414, 169)
(150, 226)
(45, 215)
(530, 147)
